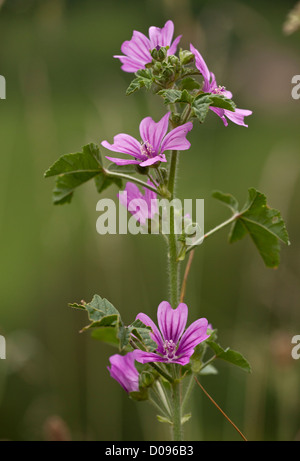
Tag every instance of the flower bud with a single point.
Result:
(173, 60)
(161, 54)
(147, 379)
(185, 57)
(142, 169)
(157, 68)
(154, 54)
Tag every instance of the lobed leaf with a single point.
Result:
(106, 322)
(202, 103)
(73, 170)
(230, 356)
(172, 96)
(144, 78)
(264, 225)
(142, 332)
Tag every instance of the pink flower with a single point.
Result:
(123, 370)
(155, 141)
(173, 344)
(137, 51)
(210, 86)
(142, 206)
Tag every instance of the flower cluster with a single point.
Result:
(155, 64)
(137, 51)
(174, 345)
(210, 86)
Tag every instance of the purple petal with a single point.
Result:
(173, 47)
(132, 192)
(172, 322)
(153, 133)
(130, 64)
(195, 334)
(167, 33)
(125, 144)
(123, 370)
(137, 48)
(161, 37)
(138, 207)
(146, 357)
(202, 67)
(176, 139)
(238, 116)
(151, 161)
(121, 161)
(136, 51)
(156, 336)
(221, 113)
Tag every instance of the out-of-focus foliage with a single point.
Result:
(292, 22)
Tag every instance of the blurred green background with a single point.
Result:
(65, 90)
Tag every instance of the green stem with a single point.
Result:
(173, 263)
(188, 392)
(212, 231)
(113, 174)
(177, 427)
(161, 372)
(174, 295)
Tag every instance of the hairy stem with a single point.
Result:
(174, 298)
(173, 263)
(177, 426)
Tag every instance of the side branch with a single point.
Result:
(213, 231)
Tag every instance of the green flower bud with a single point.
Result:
(157, 68)
(161, 54)
(142, 169)
(154, 54)
(147, 379)
(173, 60)
(185, 57)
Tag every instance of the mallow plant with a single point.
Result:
(161, 357)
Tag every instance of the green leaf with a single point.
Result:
(228, 199)
(163, 419)
(230, 356)
(186, 418)
(144, 78)
(89, 160)
(106, 335)
(201, 106)
(103, 181)
(104, 316)
(222, 102)
(173, 96)
(202, 103)
(189, 83)
(142, 332)
(264, 225)
(73, 170)
(208, 370)
(139, 396)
